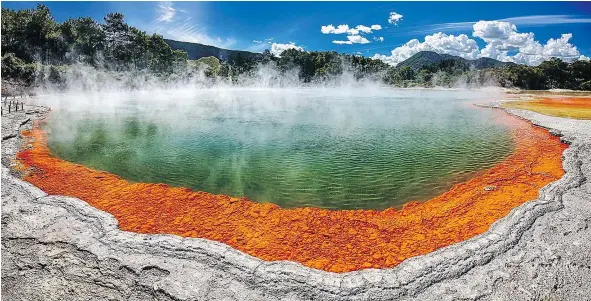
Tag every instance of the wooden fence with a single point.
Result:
(11, 93)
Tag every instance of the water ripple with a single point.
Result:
(330, 153)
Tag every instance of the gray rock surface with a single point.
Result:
(61, 248)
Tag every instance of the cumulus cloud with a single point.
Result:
(354, 34)
(166, 12)
(394, 18)
(460, 45)
(277, 49)
(502, 38)
(328, 29)
(561, 47)
(503, 42)
(493, 29)
(378, 39)
(353, 40)
(257, 41)
(363, 28)
(345, 29)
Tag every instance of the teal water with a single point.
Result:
(323, 148)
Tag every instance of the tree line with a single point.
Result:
(35, 46)
(551, 74)
(31, 38)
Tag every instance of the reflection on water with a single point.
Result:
(292, 148)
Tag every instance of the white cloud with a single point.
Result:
(166, 12)
(328, 29)
(345, 29)
(256, 41)
(493, 29)
(353, 40)
(378, 39)
(394, 18)
(353, 34)
(355, 31)
(363, 28)
(460, 45)
(503, 42)
(561, 47)
(277, 49)
(502, 38)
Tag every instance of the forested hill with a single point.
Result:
(196, 51)
(429, 58)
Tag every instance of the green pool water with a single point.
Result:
(300, 147)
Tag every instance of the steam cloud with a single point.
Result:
(85, 78)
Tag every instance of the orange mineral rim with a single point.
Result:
(330, 240)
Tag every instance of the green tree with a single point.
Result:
(556, 72)
(85, 38)
(424, 77)
(118, 40)
(16, 69)
(580, 71)
(406, 73)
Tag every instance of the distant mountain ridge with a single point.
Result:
(196, 51)
(421, 59)
(425, 58)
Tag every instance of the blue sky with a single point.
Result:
(520, 34)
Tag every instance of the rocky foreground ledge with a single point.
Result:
(61, 248)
